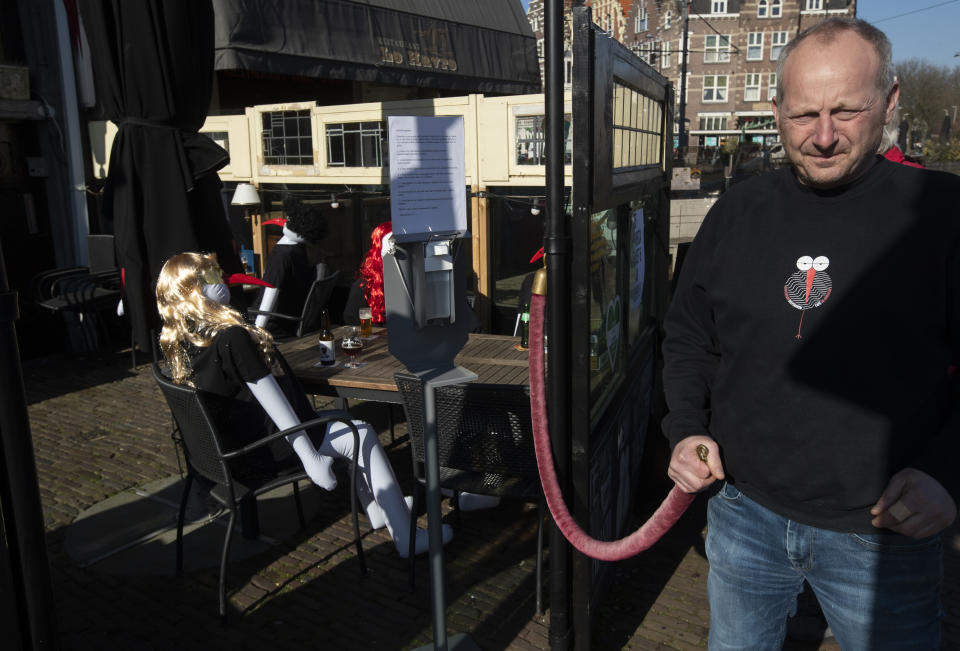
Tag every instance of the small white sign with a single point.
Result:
(427, 177)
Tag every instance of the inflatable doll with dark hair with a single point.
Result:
(288, 267)
(208, 345)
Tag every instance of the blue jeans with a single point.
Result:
(877, 590)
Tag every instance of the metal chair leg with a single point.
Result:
(354, 501)
(180, 517)
(393, 436)
(223, 563)
(296, 499)
(418, 497)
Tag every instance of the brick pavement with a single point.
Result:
(100, 428)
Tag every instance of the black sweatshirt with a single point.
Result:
(812, 335)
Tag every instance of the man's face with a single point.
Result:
(831, 114)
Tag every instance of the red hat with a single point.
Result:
(537, 255)
(244, 279)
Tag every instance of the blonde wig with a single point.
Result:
(190, 317)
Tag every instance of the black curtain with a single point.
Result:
(153, 69)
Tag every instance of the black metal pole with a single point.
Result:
(681, 124)
(557, 248)
(25, 539)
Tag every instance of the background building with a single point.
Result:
(731, 58)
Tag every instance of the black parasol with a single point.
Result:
(153, 69)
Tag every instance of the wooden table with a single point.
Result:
(493, 358)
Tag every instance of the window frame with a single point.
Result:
(538, 144)
(279, 120)
(776, 8)
(776, 47)
(640, 20)
(715, 89)
(756, 87)
(712, 122)
(750, 45)
(718, 4)
(771, 86)
(364, 136)
(810, 7)
(762, 9)
(721, 53)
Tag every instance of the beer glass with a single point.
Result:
(351, 345)
(366, 322)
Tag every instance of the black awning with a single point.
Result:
(464, 45)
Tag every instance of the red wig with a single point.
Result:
(371, 273)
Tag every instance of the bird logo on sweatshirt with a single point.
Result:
(808, 287)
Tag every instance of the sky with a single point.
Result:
(930, 31)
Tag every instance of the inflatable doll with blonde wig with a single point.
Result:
(208, 345)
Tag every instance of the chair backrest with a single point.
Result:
(484, 428)
(44, 284)
(201, 442)
(101, 253)
(317, 299)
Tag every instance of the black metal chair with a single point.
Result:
(237, 480)
(77, 292)
(317, 299)
(485, 444)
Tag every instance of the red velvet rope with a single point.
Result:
(640, 540)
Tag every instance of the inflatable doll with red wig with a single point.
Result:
(367, 289)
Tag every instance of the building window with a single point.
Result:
(775, 6)
(222, 138)
(640, 20)
(754, 46)
(665, 55)
(606, 23)
(287, 139)
(637, 123)
(667, 18)
(751, 88)
(717, 48)
(761, 8)
(814, 5)
(713, 122)
(650, 52)
(772, 86)
(777, 41)
(540, 49)
(356, 144)
(567, 71)
(718, 7)
(531, 145)
(715, 88)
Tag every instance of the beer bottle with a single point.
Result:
(327, 350)
(525, 326)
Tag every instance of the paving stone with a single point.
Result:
(99, 429)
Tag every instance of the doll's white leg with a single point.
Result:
(319, 467)
(379, 475)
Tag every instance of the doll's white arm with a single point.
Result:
(266, 305)
(271, 398)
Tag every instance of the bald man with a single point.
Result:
(807, 347)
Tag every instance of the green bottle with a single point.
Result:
(525, 326)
